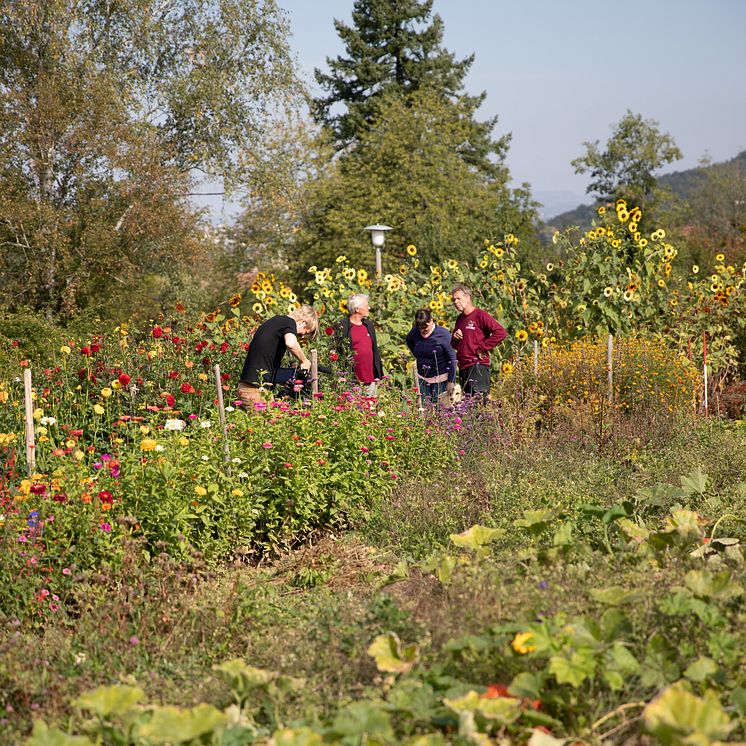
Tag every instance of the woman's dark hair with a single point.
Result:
(422, 318)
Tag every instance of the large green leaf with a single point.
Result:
(677, 716)
(712, 585)
(701, 669)
(176, 725)
(477, 537)
(535, 521)
(296, 737)
(390, 656)
(43, 735)
(110, 700)
(685, 523)
(363, 721)
(503, 710)
(573, 670)
(695, 483)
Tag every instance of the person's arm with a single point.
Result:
(293, 345)
(456, 337)
(410, 340)
(451, 353)
(494, 333)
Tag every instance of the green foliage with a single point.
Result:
(103, 132)
(625, 168)
(409, 171)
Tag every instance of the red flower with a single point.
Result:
(224, 347)
(37, 488)
(329, 331)
(106, 497)
(173, 375)
(59, 497)
(333, 357)
(95, 347)
(157, 332)
(495, 690)
(124, 379)
(85, 350)
(170, 401)
(186, 388)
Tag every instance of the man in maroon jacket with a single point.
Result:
(474, 335)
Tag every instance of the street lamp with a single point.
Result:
(378, 236)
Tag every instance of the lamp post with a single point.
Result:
(378, 236)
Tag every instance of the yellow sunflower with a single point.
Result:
(521, 335)
(411, 249)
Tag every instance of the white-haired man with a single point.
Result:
(357, 346)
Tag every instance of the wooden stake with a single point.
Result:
(223, 423)
(704, 367)
(610, 367)
(30, 438)
(536, 357)
(314, 372)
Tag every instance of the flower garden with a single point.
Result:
(561, 566)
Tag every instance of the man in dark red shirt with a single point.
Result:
(474, 335)
(357, 342)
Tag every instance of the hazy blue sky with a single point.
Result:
(561, 72)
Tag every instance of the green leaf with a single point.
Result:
(701, 669)
(685, 523)
(476, 537)
(415, 698)
(563, 536)
(573, 670)
(243, 678)
(43, 735)
(695, 482)
(389, 655)
(527, 685)
(503, 710)
(110, 700)
(431, 739)
(712, 585)
(540, 738)
(535, 520)
(176, 725)
(633, 531)
(615, 596)
(678, 716)
(614, 513)
(361, 719)
(738, 697)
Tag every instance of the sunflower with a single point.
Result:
(601, 210)
(719, 257)
(257, 308)
(235, 300)
(550, 267)
(608, 291)
(628, 295)
(483, 264)
(521, 335)
(341, 259)
(507, 368)
(411, 249)
(452, 264)
(661, 283)
(499, 252)
(616, 243)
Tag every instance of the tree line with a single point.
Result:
(115, 114)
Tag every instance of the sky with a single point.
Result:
(558, 73)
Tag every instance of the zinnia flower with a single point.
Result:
(521, 643)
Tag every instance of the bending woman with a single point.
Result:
(436, 359)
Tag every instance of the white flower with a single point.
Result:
(174, 425)
(230, 409)
(205, 424)
(48, 421)
(243, 475)
(159, 447)
(205, 458)
(236, 460)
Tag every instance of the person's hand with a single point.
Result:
(305, 365)
(449, 387)
(458, 334)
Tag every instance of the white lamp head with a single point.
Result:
(377, 233)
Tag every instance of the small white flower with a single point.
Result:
(174, 425)
(48, 421)
(159, 447)
(205, 458)
(230, 409)
(243, 475)
(205, 424)
(236, 460)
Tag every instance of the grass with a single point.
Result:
(313, 612)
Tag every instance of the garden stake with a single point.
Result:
(221, 410)
(610, 367)
(30, 444)
(704, 365)
(314, 372)
(536, 357)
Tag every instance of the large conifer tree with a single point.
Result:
(395, 47)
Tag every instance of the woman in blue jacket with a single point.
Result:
(436, 359)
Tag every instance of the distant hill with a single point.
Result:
(682, 183)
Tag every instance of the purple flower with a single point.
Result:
(134, 640)
(106, 527)
(106, 457)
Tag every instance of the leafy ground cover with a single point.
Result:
(542, 591)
